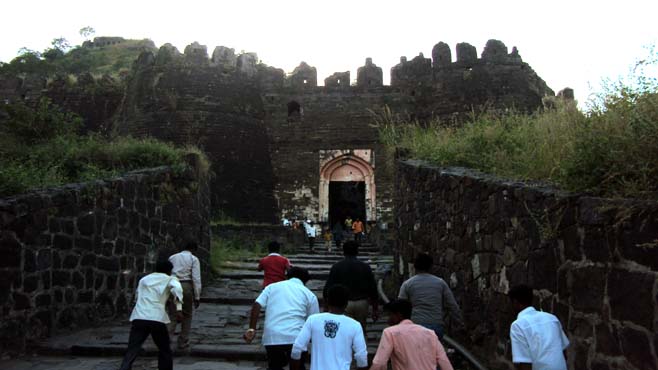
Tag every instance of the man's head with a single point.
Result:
(273, 247)
(189, 245)
(299, 273)
(398, 310)
(351, 248)
(337, 297)
(521, 297)
(423, 262)
(163, 266)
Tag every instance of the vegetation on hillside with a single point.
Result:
(62, 59)
(609, 150)
(42, 147)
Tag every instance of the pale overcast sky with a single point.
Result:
(568, 43)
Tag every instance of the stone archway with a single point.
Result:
(347, 166)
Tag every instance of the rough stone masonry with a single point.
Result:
(592, 261)
(71, 256)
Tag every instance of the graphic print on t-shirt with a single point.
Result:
(331, 328)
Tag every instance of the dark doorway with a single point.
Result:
(347, 198)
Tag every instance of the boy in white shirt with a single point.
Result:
(149, 316)
(334, 336)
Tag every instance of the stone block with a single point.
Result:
(62, 242)
(29, 260)
(87, 224)
(587, 288)
(43, 300)
(21, 301)
(78, 280)
(636, 347)
(30, 283)
(631, 296)
(84, 244)
(71, 261)
(110, 228)
(542, 268)
(595, 245)
(108, 263)
(44, 259)
(61, 278)
(10, 250)
(607, 340)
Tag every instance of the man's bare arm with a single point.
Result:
(253, 320)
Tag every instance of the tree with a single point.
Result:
(87, 32)
(61, 44)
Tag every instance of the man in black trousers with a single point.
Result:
(149, 316)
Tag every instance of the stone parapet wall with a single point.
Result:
(286, 236)
(71, 256)
(593, 262)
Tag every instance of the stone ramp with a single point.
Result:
(219, 322)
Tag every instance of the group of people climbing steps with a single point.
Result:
(347, 230)
(294, 327)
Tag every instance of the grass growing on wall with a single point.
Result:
(609, 150)
(40, 147)
(223, 250)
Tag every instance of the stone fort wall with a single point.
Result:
(592, 261)
(72, 256)
(264, 129)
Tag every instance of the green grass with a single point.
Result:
(610, 150)
(40, 147)
(223, 250)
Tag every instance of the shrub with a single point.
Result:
(40, 147)
(609, 150)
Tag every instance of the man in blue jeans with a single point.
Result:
(430, 296)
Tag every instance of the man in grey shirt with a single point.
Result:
(430, 296)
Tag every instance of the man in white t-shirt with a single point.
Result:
(334, 336)
(287, 305)
(538, 341)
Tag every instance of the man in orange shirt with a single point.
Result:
(407, 345)
(357, 229)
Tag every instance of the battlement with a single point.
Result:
(414, 72)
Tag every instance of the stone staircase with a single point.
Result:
(223, 316)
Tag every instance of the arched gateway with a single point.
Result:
(347, 185)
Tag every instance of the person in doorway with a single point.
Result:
(274, 265)
(326, 235)
(335, 338)
(407, 345)
(149, 317)
(538, 341)
(348, 223)
(357, 229)
(358, 277)
(430, 297)
(287, 305)
(187, 269)
(311, 233)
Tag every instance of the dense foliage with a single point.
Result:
(63, 59)
(609, 150)
(41, 146)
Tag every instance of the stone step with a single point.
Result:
(254, 266)
(253, 274)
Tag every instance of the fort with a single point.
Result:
(280, 144)
(283, 146)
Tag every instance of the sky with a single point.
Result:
(574, 43)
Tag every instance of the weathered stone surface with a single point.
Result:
(637, 348)
(441, 55)
(636, 304)
(606, 303)
(466, 53)
(369, 75)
